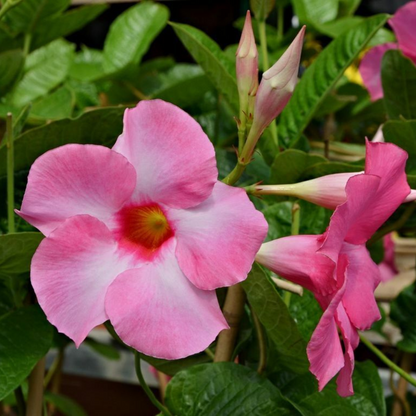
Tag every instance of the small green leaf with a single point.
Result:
(54, 106)
(87, 65)
(224, 389)
(25, 337)
(11, 63)
(211, 58)
(16, 251)
(398, 75)
(322, 76)
(262, 8)
(275, 317)
(64, 404)
(315, 11)
(131, 34)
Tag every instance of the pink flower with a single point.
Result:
(141, 234)
(329, 191)
(388, 267)
(336, 265)
(403, 25)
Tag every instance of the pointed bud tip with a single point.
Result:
(247, 46)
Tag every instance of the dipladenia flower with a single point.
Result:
(337, 267)
(329, 191)
(141, 234)
(275, 89)
(246, 67)
(388, 267)
(402, 23)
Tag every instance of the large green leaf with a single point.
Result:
(59, 104)
(131, 34)
(321, 77)
(65, 24)
(315, 11)
(11, 63)
(16, 251)
(25, 337)
(45, 69)
(224, 389)
(87, 64)
(403, 133)
(212, 59)
(94, 127)
(398, 75)
(275, 317)
(279, 219)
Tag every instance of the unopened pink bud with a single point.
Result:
(247, 64)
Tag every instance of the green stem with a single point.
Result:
(235, 174)
(146, 388)
(262, 342)
(387, 361)
(20, 401)
(280, 22)
(8, 5)
(10, 172)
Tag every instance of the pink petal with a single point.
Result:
(295, 258)
(411, 197)
(324, 349)
(173, 157)
(218, 239)
(370, 69)
(403, 24)
(351, 341)
(71, 271)
(387, 267)
(387, 161)
(363, 279)
(157, 311)
(76, 179)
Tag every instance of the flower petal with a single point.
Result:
(173, 157)
(403, 24)
(71, 271)
(370, 69)
(218, 239)
(295, 258)
(76, 179)
(363, 279)
(157, 311)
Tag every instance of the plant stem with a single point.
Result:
(387, 361)
(233, 311)
(7, 6)
(20, 401)
(146, 388)
(400, 403)
(280, 22)
(235, 174)
(35, 396)
(10, 172)
(262, 342)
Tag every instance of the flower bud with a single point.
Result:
(247, 66)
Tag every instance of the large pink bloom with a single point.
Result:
(337, 267)
(141, 234)
(403, 23)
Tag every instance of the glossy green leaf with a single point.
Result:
(25, 337)
(65, 405)
(54, 106)
(321, 77)
(328, 168)
(106, 350)
(131, 34)
(348, 7)
(94, 127)
(262, 8)
(398, 76)
(16, 251)
(279, 219)
(11, 63)
(224, 389)
(315, 11)
(87, 64)
(211, 58)
(45, 69)
(275, 317)
(65, 24)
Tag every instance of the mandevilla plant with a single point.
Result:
(235, 229)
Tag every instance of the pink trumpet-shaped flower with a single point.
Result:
(141, 234)
(329, 191)
(337, 267)
(402, 23)
(388, 267)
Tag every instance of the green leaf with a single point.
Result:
(11, 63)
(25, 337)
(398, 76)
(224, 389)
(63, 25)
(275, 317)
(29, 14)
(348, 7)
(54, 106)
(403, 310)
(212, 59)
(131, 34)
(315, 11)
(403, 134)
(262, 8)
(106, 350)
(368, 399)
(289, 166)
(45, 69)
(279, 219)
(322, 76)
(16, 251)
(328, 168)
(87, 64)
(64, 404)
(94, 127)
